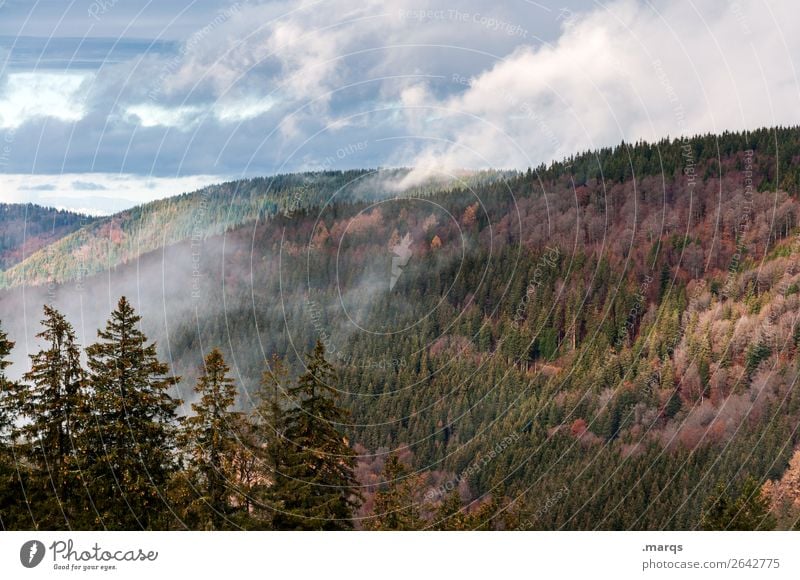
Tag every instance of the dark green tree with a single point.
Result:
(211, 439)
(268, 444)
(450, 516)
(748, 512)
(321, 491)
(49, 404)
(8, 475)
(395, 507)
(130, 453)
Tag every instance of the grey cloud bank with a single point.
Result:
(241, 89)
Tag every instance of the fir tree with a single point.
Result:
(450, 515)
(50, 401)
(8, 497)
(211, 441)
(321, 492)
(749, 511)
(6, 403)
(395, 506)
(130, 456)
(268, 442)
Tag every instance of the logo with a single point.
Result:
(31, 553)
(402, 254)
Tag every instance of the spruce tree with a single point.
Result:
(748, 512)
(7, 405)
(211, 442)
(8, 480)
(268, 444)
(130, 455)
(50, 403)
(395, 506)
(450, 515)
(320, 491)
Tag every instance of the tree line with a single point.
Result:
(101, 445)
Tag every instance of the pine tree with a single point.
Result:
(211, 442)
(8, 488)
(268, 443)
(7, 406)
(749, 511)
(129, 458)
(50, 403)
(321, 492)
(450, 515)
(395, 507)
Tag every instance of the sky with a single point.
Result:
(105, 104)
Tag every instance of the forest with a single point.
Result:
(609, 342)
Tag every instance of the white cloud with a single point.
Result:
(107, 192)
(151, 115)
(626, 71)
(186, 117)
(234, 111)
(32, 95)
(307, 79)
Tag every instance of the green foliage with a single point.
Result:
(319, 489)
(396, 507)
(127, 457)
(749, 511)
(49, 409)
(211, 439)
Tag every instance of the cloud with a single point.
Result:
(260, 88)
(624, 71)
(243, 110)
(39, 187)
(150, 115)
(87, 186)
(35, 95)
(110, 192)
(185, 118)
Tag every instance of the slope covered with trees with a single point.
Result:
(610, 342)
(27, 228)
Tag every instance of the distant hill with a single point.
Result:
(26, 228)
(107, 242)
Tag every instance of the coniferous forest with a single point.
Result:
(608, 342)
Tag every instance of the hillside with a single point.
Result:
(117, 239)
(27, 228)
(600, 342)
